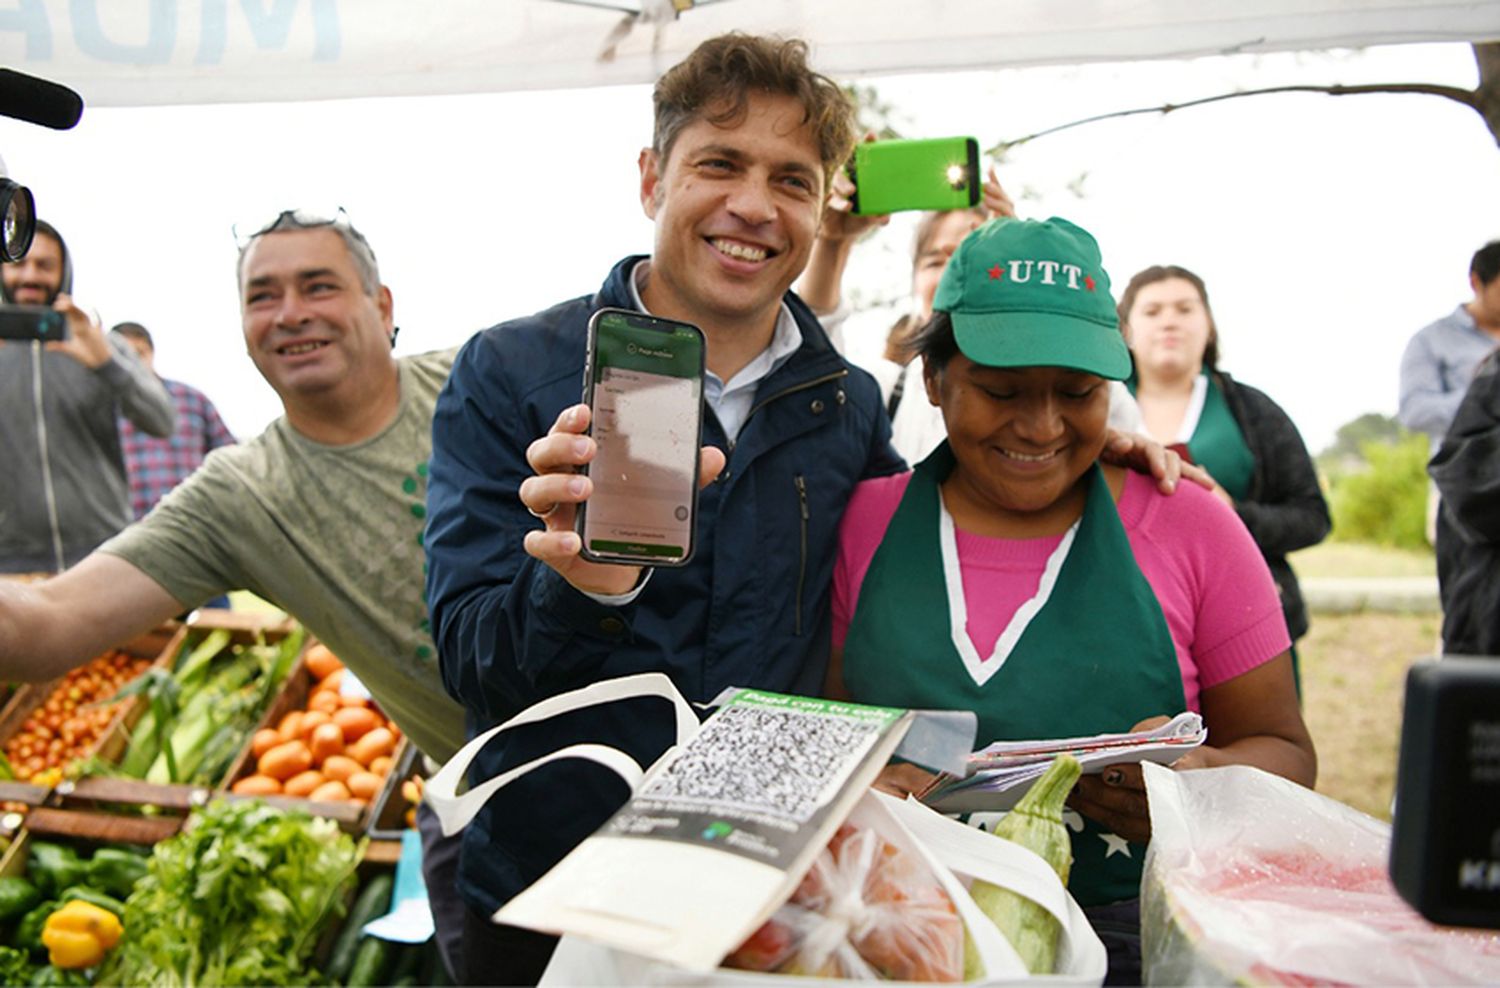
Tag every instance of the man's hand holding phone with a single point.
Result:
(85, 341)
(555, 491)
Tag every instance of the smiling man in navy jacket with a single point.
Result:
(747, 138)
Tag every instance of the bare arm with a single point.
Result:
(48, 628)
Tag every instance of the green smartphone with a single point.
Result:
(932, 173)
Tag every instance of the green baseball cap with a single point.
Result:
(1033, 293)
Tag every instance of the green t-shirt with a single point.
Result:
(330, 534)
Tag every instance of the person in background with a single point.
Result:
(1440, 358)
(1013, 575)
(65, 487)
(1466, 471)
(321, 514)
(156, 465)
(1244, 440)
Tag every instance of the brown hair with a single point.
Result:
(1166, 272)
(715, 83)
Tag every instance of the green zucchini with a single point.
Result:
(374, 901)
(371, 961)
(1036, 824)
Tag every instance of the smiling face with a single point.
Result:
(309, 325)
(736, 207)
(36, 278)
(1169, 328)
(1023, 437)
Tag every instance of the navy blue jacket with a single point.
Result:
(750, 609)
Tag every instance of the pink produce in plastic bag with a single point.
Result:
(865, 911)
(1251, 878)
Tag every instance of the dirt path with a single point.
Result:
(1353, 674)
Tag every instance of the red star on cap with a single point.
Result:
(996, 273)
(1088, 282)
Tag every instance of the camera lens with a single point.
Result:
(17, 220)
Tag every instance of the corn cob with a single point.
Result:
(1036, 824)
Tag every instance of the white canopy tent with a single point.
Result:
(143, 52)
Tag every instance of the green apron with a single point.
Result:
(1096, 656)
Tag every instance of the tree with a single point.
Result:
(1349, 441)
(1483, 99)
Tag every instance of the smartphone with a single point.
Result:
(644, 385)
(935, 173)
(32, 322)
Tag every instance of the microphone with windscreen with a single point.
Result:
(38, 101)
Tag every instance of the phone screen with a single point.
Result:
(645, 388)
(931, 173)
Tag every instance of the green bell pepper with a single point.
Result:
(17, 897)
(92, 895)
(28, 935)
(54, 867)
(115, 872)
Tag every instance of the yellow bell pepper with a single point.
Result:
(79, 934)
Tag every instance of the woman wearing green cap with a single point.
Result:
(1014, 575)
(1242, 437)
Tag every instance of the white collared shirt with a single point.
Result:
(731, 401)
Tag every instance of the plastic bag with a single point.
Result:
(1253, 879)
(865, 911)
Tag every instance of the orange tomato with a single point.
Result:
(340, 767)
(302, 784)
(290, 727)
(311, 721)
(330, 792)
(364, 785)
(325, 700)
(381, 765)
(256, 785)
(378, 742)
(264, 740)
(332, 681)
(321, 661)
(327, 739)
(356, 722)
(285, 760)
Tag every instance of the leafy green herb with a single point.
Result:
(240, 897)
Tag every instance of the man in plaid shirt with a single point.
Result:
(158, 465)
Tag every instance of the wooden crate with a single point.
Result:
(354, 818)
(157, 644)
(244, 629)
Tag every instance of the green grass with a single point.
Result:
(1338, 560)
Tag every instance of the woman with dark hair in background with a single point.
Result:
(1240, 436)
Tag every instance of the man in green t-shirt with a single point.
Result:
(321, 514)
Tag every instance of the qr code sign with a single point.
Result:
(779, 761)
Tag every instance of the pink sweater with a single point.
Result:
(1213, 586)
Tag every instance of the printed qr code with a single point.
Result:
(779, 761)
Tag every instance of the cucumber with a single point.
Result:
(370, 963)
(374, 900)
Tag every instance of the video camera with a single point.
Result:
(1445, 836)
(40, 102)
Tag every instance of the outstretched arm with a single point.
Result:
(49, 627)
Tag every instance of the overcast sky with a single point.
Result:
(1328, 229)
